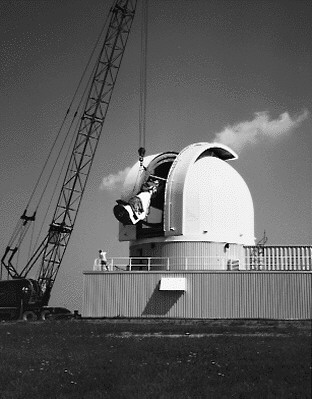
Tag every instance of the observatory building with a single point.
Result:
(200, 215)
(189, 220)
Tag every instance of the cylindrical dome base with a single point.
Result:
(190, 255)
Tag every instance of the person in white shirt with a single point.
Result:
(103, 260)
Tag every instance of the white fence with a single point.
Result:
(270, 259)
(279, 258)
(167, 263)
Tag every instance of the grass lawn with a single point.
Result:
(155, 359)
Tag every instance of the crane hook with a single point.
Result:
(141, 152)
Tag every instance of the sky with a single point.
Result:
(234, 71)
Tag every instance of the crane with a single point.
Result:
(49, 254)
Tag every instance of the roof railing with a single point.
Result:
(150, 263)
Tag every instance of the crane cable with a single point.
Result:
(64, 119)
(70, 146)
(22, 223)
(143, 69)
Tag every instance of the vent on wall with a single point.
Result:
(172, 284)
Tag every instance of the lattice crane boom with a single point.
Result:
(48, 256)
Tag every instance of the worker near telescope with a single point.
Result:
(100, 263)
(103, 260)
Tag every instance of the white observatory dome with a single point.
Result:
(201, 198)
(207, 199)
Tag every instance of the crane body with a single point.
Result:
(48, 256)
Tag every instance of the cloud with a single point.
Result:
(261, 127)
(236, 136)
(114, 181)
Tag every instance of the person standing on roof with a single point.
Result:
(103, 260)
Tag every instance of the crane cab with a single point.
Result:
(19, 297)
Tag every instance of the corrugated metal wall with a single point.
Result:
(209, 295)
(278, 257)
